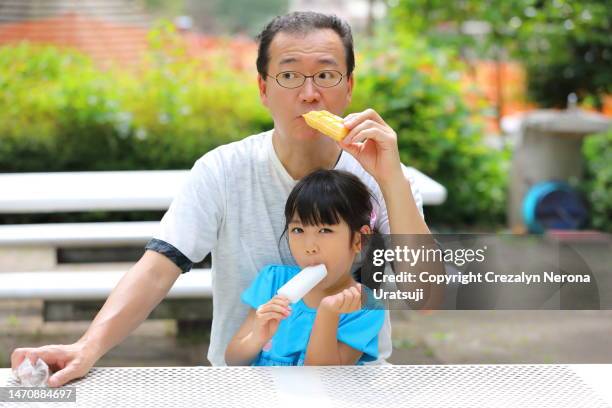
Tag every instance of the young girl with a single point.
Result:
(325, 215)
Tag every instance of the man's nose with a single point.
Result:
(309, 91)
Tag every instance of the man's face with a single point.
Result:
(308, 54)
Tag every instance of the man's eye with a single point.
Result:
(288, 75)
(325, 75)
(297, 230)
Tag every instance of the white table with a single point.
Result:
(455, 386)
(119, 190)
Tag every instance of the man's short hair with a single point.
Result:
(304, 22)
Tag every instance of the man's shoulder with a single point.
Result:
(239, 152)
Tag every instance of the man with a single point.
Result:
(232, 203)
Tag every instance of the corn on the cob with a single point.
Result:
(326, 123)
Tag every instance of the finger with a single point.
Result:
(274, 308)
(281, 298)
(367, 124)
(60, 378)
(264, 317)
(342, 299)
(281, 301)
(356, 303)
(377, 135)
(32, 355)
(355, 119)
(18, 356)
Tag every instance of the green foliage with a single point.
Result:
(416, 90)
(597, 150)
(58, 112)
(566, 45)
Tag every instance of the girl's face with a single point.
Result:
(332, 245)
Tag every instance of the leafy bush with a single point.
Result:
(416, 90)
(565, 45)
(597, 150)
(58, 112)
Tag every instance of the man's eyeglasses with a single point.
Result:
(294, 79)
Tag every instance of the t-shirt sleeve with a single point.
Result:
(382, 221)
(360, 331)
(262, 289)
(191, 224)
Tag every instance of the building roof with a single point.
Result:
(124, 12)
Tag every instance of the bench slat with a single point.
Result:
(54, 285)
(120, 190)
(78, 234)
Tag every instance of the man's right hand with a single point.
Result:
(66, 362)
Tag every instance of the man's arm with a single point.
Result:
(141, 289)
(138, 292)
(374, 144)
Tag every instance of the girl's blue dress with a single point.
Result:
(288, 345)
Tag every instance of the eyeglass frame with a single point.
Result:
(306, 77)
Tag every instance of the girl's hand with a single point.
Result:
(268, 317)
(374, 144)
(347, 301)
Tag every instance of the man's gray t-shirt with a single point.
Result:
(232, 205)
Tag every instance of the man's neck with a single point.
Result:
(301, 158)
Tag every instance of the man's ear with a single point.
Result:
(350, 82)
(261, 83)
(365, 229)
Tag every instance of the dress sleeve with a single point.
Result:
(262, 289)
(360, 331)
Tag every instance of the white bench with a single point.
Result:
(79, 295)
(108, 191)
(120, 190)
(94, 191)
(91, 285)
(85, 234)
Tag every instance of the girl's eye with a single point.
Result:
(296, 230)
(325, 230)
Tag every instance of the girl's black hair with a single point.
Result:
(328, 196)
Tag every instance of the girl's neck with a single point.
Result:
(314, 297)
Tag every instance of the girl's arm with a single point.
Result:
(243, 347)
(324, 347)
(258, 328)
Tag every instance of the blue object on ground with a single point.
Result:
(553, 205)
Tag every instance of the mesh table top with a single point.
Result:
(319, 387)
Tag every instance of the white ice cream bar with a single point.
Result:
(303, 282)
